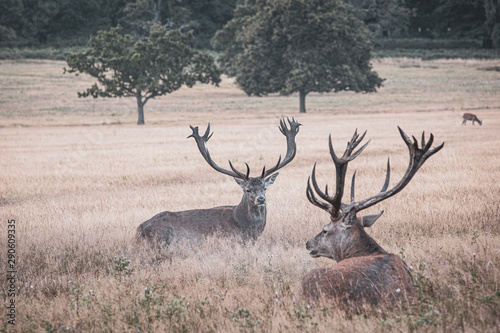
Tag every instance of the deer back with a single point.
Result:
(369, 279)
(168, 227)
(469, 116)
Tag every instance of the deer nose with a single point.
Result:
(261, 200)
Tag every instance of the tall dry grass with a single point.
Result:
(78, 193)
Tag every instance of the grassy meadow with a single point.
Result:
(78, 177)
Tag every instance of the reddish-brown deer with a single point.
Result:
(247, 219)
(365, 273)
(472, 117)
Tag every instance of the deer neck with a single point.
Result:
(250, 218)
(358, 243)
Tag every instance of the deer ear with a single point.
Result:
(240, 182)
(368, 220)
(270, 180)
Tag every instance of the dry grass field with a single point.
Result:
(78, 177)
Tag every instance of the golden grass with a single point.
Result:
(78, 177)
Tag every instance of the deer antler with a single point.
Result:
(333, 204)
(201, 142)
(417, 158)
(291, 147)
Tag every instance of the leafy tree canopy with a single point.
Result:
(203, 17)
(143, 68)
(70, 22)
(11, 13)
(385, 18)
(287, 46)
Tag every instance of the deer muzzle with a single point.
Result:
(310, 245)
(261, 200)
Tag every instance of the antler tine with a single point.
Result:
(428, 145)
(207, 134)
(387, 177)
(202, 147)
(418, 156)
(240, 174)
(291, 147)
(356, 154)
(264, 170)
(384, 188)
(322, 195)
(336, 160)
(341, 166)
(353, 143)
(434, 150)
(264, 173)
(352, 186)
(312, 199)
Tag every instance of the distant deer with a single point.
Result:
(472, 117)
(247, 219)
(365, 273)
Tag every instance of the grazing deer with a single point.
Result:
(472, 117)
(247, 219)
(365, 273)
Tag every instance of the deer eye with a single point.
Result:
(325, 232)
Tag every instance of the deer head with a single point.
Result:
(254, 188)
(344, 237)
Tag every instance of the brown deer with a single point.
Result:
(365, 273)
(247, 219)
(472, 117)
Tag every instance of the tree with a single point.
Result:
(385, 18)
(11, 16)
(458, 19)
(208, 16)
(125, 66)
(491, 37)
(141, 13)
(288, 46)
(473, 19)
(203, 17)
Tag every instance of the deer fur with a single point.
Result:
(355, 282)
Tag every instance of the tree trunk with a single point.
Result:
(302, 97)
(156, 11)
(491, 28)
(140, 109)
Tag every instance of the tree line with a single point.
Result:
(72, 22)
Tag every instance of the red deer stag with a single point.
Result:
(365, 273)
(247, 219)
(472, 117)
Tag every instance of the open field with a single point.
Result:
(78, 177)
